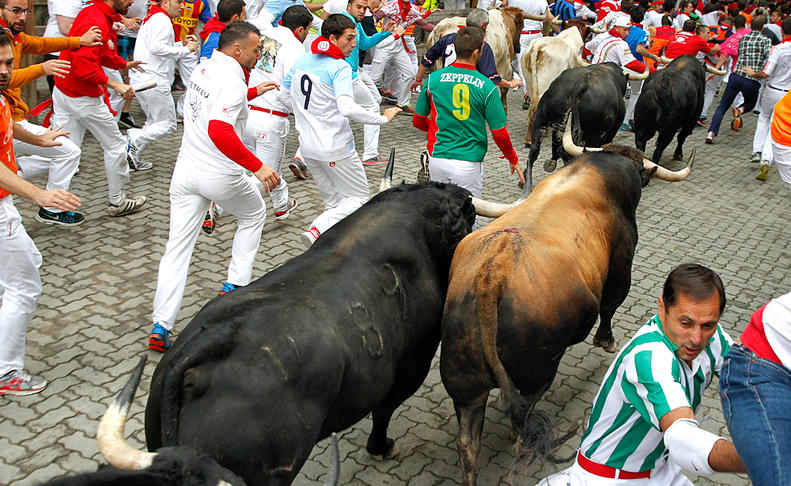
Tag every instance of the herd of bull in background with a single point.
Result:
(262, 374)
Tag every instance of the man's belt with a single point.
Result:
(779, 89)
(607, 471)
(267, 110)
(528, 32)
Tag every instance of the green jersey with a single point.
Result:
(646, 381)
(459, 102)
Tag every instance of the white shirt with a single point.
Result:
(64, 8)
(652, 19)
(711, 18)
(534, 7)
(778, 66)
(315, 83)
(139, 8)
(609, 48)
(289, 51)
(157, 48)
(777, 327)
(335, 6)
(216, 91)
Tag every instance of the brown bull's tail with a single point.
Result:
(534, 428)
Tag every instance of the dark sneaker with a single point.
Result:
(406, 109)
(299, 169)
(128, 205)
(755, 157)
(227, 288)
(132, 157)
(310, 236)
(388, 97)
(423, 174)
(66, 218)
(159, 339)
(210, 220)
(283, 214)
(18, 382)
(375, 160)
(126, 121)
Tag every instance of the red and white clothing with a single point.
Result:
(531, 29)
(778, 67)
(64, 8)
(210, 167)
(606, 7)
(157, 48)
(610, 47)
(652, 19)
(78, 99)
(768, 334)
(686, 43)
(20, 284)
(268, 126)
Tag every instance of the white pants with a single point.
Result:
(391, 52)
(524, 43)
(343, 187)
(265, 135)
(463, 173)
(191, 192)
(20, 285)
(116, 101)
(708, 97)
(76, 115)
(367, 96)
(665, 474)
(186, 66)
(636, 87)
(59, 163)
(782, 157)
(157, 104)
(762, 141)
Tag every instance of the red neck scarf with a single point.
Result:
(155, 9)
(615, 33)
(7, 29)
(322, 45)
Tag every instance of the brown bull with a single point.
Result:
(532, 283)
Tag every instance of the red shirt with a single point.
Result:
(6, 140)
(754, 337)
(686, 43)
(86, 77)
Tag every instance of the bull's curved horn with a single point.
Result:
(581, 61)
(110, 435)
(568, 142)
(712, 70)
(638, 77)
(387, 178)
(494, 210)
(665, 60)
(669, 175)
(335, 471)
(597, 30)
(540, 18)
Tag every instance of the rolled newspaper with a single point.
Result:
(144, 85)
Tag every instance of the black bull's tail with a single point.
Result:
(533, 427)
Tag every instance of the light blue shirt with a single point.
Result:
(364, 42)
(277, 7)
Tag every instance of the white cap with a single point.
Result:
(622, 21)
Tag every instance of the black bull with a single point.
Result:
(671, 101)
(594, 94)
(347, 328)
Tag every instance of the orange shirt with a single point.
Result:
(781, 121)
(6, 140)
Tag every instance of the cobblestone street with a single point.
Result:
(99, 279)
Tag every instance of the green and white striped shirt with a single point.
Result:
(646, 381)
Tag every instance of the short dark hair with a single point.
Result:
(5, 38)
(786, 26)
(667, 20)
(739, 21)
(702, 30)
(228, 8)
(296, 16)
(235, 32)
(335, 25)
(695, 281)
(467, 40)
(668, 6)
(727, 20)
(627, 6)
(758, 22)
(689, 25)
(637, 14)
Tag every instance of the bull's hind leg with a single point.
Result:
(470, 418)
(682, 136)
(662, 141)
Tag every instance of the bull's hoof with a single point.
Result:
(390, 451)
(678, 156)
(550, 165)
(606, 344)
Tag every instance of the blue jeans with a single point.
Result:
(749, 88)
(756, 402)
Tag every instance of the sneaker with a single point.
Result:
(736, 124)
(133, 159)
(406, 109)
(66, 218)
(310, 236)
(126, 121)
(375, 160)
(423, 174)
(210, 220)
(128, 205)
(388, 97)
(626, 127)
(299, 169)
(763, 173)
(701, 122)
(710, 138)
(159, 339)
(227, 288)
(18, 382)
(756, 112)
(736, 112)
(281, 215)
(755, 157)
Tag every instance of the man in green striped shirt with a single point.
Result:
(642, 428)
